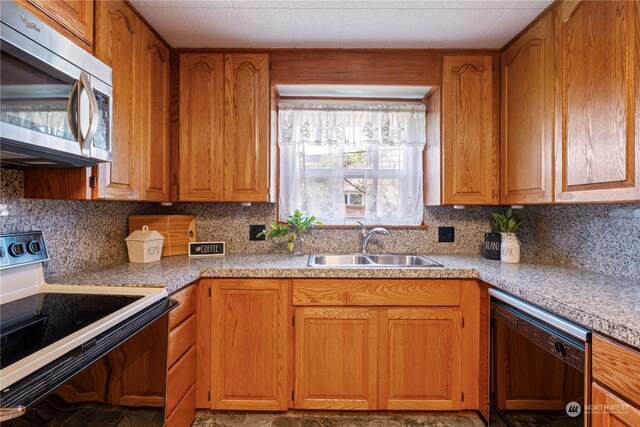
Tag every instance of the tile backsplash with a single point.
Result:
(86, 234)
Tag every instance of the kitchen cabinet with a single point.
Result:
(140, 169)
(72, 18)
(154, 119)
(527, 116)
(336, 358)
(428, 379)
(224, 127)
(118, 41)
(597, 124)
(616, 384)
(470, 144)
(387, 344)
(250, 330)
(180, 403)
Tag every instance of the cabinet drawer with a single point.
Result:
(617, 368)
(187, 299)
(180, 378)
(180, 339)
(374, 292)
(185, 411)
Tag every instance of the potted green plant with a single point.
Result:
(292, 230)
(508, 225)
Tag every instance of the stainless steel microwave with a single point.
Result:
(56, 99)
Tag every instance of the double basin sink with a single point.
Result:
(370, 260)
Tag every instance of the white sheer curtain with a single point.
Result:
(352, 162)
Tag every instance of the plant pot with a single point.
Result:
(298, 244)
(510, 248)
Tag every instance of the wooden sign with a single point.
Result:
(206, 249)
(492, 245)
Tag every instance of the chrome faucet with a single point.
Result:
(366, 236)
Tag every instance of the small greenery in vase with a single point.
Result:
(508, 222)
(296, 225)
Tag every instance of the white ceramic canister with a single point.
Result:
(510, 248)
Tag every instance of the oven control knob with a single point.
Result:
(16, 249)
(560, 348)
(34, 247)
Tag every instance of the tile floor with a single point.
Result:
(328, 419)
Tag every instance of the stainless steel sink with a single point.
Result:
(338, 259)
(403, 260)
(370, 260)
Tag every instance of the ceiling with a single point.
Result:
(340, 24)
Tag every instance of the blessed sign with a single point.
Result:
(206, 249)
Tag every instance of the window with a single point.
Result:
(352, 162)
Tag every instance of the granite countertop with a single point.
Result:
(607, 304)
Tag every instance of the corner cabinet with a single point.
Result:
(224, 127)
(527, 117)
(140, 168)
(597, 122)
(470, 100)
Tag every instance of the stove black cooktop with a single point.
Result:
(30, 324)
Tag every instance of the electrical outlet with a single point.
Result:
(254, 230)
(445, 234)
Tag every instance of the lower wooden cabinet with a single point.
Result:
(336, 358)
(419, 359)
(615, 392)
(249, 341)
(180, 400)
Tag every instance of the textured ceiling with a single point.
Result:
(340, 24)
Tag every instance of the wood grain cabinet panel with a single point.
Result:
(527, 117)
(419, 361)
(610, 410)
(469, 130)
(154, 119)
(336, 358)
(598, 98)
(247, 96)
(119, 34)
(201, 127)
(250, 325)
(72, 18)
(617, 367)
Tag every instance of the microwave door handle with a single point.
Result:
(72, 109)
(93, 111)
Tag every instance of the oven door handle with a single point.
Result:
(85, 85)
(11, 413)
(72, 109)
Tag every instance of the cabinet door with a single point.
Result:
(118, 41)
(611, 411)
(249, 344)
(598, 99)
(527, 116)
(73, 18)
(246, 144)
(201, 127)
(419, 361)
(336, 358)
(469, 131)
(154, 119)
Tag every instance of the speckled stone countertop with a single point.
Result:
(607, 304)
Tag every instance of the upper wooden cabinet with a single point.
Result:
(154, 119)
(72, 18)
(470, 99)
(527, 117)
(251, 320)
(119, 37)
(201, 127)
(597, 122)
(224, 127)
